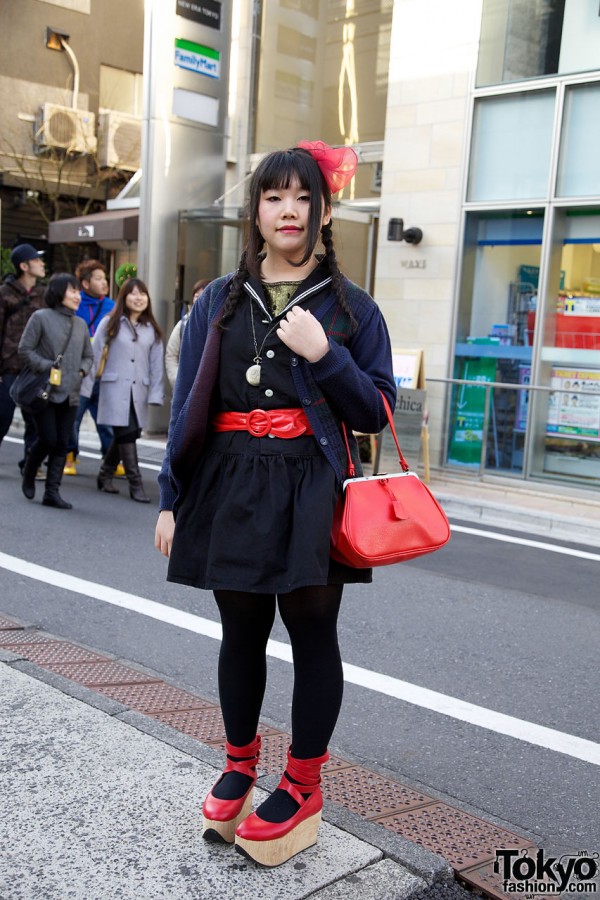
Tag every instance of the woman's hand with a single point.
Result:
(303, 334)
(163, 535)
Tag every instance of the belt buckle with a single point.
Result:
(259, 422)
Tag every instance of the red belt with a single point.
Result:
(281, 423)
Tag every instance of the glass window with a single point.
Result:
(519, 39)
(579, 166)
(568, 414)
(121, 90)
(510, 147)
(498, 297)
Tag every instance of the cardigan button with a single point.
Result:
(294, 360)
(323, 441)
(306, 401)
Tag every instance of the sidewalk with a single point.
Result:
(101, 802)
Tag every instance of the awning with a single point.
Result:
(112, 226)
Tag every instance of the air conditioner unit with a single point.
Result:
(61, 127)
(119, 141)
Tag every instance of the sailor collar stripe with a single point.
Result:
(307, 293)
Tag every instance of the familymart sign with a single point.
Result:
(197, 58)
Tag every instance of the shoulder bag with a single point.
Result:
(31, 390)
(380, 520)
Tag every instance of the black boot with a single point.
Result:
(30, 466)
(107, 469)
(132, 471)
(56, 465)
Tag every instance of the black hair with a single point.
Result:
(276, 171)
(57, 288)
(120, 309)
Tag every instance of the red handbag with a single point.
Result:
(380, 520)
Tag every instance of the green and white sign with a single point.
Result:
(197, 58)
(466, 435)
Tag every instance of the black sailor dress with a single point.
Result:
(258, 511)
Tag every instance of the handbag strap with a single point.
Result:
(59, 358)
(403, 464)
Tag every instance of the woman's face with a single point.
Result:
(72, 298)
(283, 219)
(136, 302)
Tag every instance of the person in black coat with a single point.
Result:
(55, 338)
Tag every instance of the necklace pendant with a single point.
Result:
(253, 375)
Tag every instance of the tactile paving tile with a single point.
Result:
(483, 878)
(153, 698)
(462, 839)
(102, 672)
(26, 636)
(45, 654)
(204, 725)
(8, 624)
(369, 794)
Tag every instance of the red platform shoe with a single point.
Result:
(272, 843)
(221, 817)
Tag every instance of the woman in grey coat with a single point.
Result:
(131, 381)
(48, 334)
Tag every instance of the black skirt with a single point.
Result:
(257, 517)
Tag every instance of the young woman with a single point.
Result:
(131, 381)
(49, 334)
(273, 360)
(174, 343)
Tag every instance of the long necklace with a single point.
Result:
(253, 372)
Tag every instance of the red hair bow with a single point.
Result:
(337, 164)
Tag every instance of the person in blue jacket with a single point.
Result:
(95, 305)
(273, 360)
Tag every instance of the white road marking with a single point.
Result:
(539, 735)
(143, 465)
(526, 542)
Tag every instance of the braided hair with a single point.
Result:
(276, 172)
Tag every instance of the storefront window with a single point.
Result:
(579, 167)
(524, 39)
(568, 416)
(498, 295)
(510, 147)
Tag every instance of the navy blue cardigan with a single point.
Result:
(343, 385)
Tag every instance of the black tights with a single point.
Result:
(310, 617)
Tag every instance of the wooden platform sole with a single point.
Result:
(224, 832)
(278, 851)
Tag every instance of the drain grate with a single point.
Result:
(26, 636)
(484, 879)
(205, 725)
(52, 652)
(8, 625)
(459, 837)
(154, 697)
(97, 673)
(369, 794)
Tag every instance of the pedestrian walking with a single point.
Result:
(131, 380)
(55, 339)
(274, 358)
(95, 305)
(20, 295)
(174, 343)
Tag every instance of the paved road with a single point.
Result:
(505, 627)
